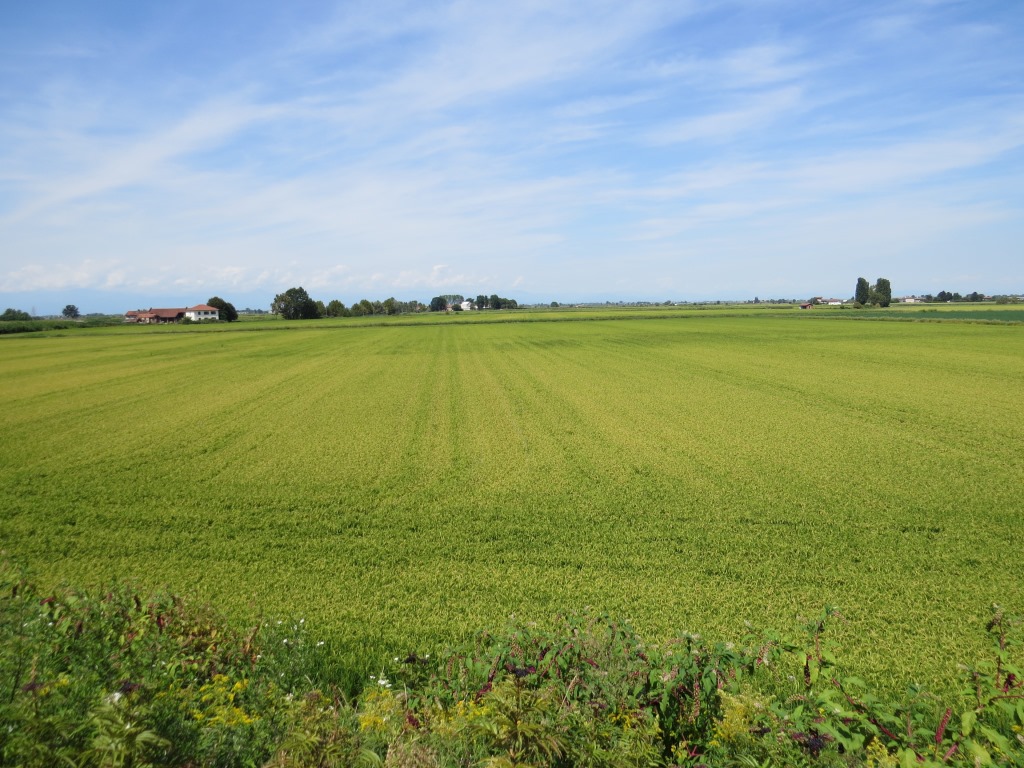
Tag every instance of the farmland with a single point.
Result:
(401, 485)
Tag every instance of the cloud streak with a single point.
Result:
(521, 144)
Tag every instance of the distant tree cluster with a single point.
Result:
(946, 296)
(296, 304)
(454, 302)
(879, 294)
(15, 314)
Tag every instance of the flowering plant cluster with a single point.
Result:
(118, 678)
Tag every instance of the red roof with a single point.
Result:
(202, 308)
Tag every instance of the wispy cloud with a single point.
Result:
(359, 148)
(754, 114)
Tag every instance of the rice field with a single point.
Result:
(401, 485)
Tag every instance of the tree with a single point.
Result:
(15, 314)
(881, 292)
(225, 309)
(335, 308)
(481, 302)
(294, 304)
(71, 312)
(862, 295)
(438, 304)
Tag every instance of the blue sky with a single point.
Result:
(152, 152)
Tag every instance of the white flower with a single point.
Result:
(320, 643)
(286, 641)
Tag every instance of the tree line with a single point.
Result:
(297, 304)
(944, 296)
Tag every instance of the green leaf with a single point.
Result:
(980, 754)
(996, 738)
(967, 722)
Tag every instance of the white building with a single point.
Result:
(202, 312)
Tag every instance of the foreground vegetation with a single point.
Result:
(403, 486)
(118, 678)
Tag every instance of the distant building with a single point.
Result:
(807, 305)
(467, 305)
(153, 316)
(202, 312)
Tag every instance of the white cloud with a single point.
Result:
(755, 114)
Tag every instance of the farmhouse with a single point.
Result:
(807, 305)
(153, 316)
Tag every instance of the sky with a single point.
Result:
(162, 153)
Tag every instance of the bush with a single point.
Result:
(117, 678)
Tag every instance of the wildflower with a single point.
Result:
(320, 643)
(285, 641)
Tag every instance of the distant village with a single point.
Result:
(208, 313)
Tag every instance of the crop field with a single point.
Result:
(402, 485)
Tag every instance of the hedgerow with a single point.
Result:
(117, 678)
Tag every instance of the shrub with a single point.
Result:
(117, 678)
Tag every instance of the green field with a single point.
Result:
(402, 484)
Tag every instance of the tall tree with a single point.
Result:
(294, 304)
(71, 312)
(225, 309)
(882, 291)
(862, 295)
(438, 304)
